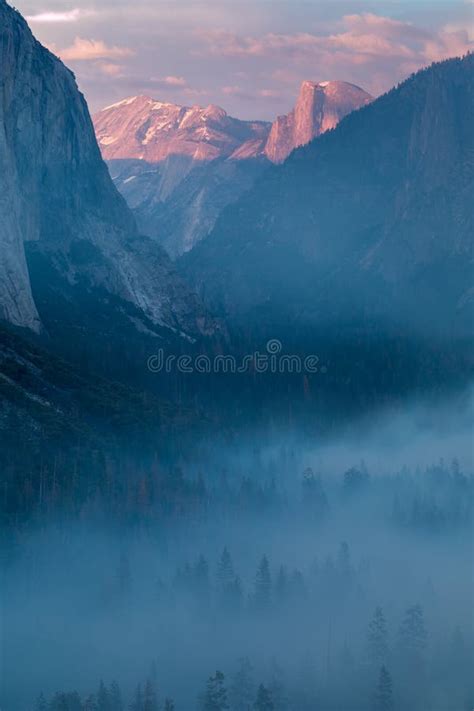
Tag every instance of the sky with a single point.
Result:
(248, 57)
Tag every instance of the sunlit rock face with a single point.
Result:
(320, 107)
(140, 127)
(57, 196)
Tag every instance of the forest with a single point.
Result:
(253, 577)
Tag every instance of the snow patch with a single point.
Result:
(124, 102)
(107, 140)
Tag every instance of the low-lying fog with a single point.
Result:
(332, 575)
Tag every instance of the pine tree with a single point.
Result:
(90, 703)
(169, 705)
(137, 703)
(263, 585)
(377, 639)
(413, 636)
(103, 700)
(41, 703)
(264, 700)
(383, 699)
(215, 695)
(242, 690)
(225, 570)
(115, 697)
(411, 662)
(277, 687)
(150, 701)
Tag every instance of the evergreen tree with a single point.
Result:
(41, 703)
(277, 688)
(169, 705)
(264, 700)
(263, 585)
(411, 662)
(377, 639)
(413, 636)
(137, 702)
(383, 699)
(115, 697)
(90, 703)
(66, 702)
(103, 699)
(225, 570)
(242, 690)
(150, 701)
(215, 695)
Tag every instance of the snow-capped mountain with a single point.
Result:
(320, 107)
(58, 202)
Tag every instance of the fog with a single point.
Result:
(336, 574)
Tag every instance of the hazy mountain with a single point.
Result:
(179, 166)
(372, 220)
(320, 107)
(58, 198)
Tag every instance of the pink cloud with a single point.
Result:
(175, 81)
(87, 50)
(360, 45)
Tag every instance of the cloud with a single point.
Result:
(67, 16)
(175, 81)
(371, 50)
(248, 95)
(110, 69)
(362, 38)
(87, 50)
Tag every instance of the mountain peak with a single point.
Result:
(142, 128)
(319, 107)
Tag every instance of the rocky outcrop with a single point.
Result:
(320, 107)
(57, 194)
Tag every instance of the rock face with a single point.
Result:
(58, 198)
(320, 107)
(370, 221)
(16, 301)
(139, 127)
